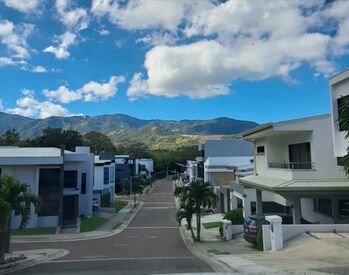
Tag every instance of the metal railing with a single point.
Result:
(292, 165)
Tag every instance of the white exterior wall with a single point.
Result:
(338, 89)
(321, 146)
(99, 179)
(148, 165)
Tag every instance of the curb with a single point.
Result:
(11, 267)
(112, 233)
(215, 264)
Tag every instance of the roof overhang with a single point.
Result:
(296, 186)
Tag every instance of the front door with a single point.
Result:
(70, 210)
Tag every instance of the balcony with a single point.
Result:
(292, 165)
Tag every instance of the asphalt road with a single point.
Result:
(151, 244)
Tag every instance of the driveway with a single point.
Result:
(150, 244)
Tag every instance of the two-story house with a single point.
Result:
(104, 181)
(62, 180)
(296, 167)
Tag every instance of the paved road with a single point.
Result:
(151, 244)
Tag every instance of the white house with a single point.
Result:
(191, 170)
(104, 181)
(144, 167)
(339, 89)
(296, 168)
(62, 179)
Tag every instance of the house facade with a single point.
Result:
(122, 171)
(144, 167)
(62, 180)
(296, 168)
(104, 181)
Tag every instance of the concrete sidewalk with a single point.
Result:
(116, 223)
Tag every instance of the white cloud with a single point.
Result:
(61, 50)
(1, 105)
(247, 40)
(103, 32)
(22, 6)
(158, 38)
(91, 91)
(14, 38)
(21, 64)
(145, 14)
(31, 107)
(73, 18)
(39, 69)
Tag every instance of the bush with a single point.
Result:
(221, 230)
(259, 240)
(235, 216)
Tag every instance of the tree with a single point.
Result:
(19, 199)
(99, 142)
(4, 214)
(55, 137)
(343, 119)
(10, 137)
(134, 150)
(197, 196)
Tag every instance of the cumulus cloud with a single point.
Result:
(1, 105)
(63, 42)
(158, 38)
(15, 38)
(74, 18)
(28, 106)
(144, 14)
(103, 32)
(22, 6)
(91, 91)
(21, 64)
(244, 40)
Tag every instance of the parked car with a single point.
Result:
(254, 223)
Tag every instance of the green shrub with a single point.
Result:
(259, 240)
(221, 230)
(235, 216)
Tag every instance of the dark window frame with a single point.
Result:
(73, 177)
(83, 183)
(260, 150)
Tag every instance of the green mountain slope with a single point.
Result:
(124, 129)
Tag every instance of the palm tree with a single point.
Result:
(197, 196)
(19, 199)
(343, 119)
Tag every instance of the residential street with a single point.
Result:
(151, 244)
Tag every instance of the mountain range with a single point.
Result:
(121, 128)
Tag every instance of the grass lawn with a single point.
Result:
(90, 224)
(34, 231)
(209, 225)
(119, 205)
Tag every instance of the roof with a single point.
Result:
(122, 156)
(271, 125)
(238, 162)
(339, 76)
(99, 161)
(31, 152)
(282, 185)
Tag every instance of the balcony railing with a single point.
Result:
(292, 165)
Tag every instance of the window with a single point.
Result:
(323, 205)
(343, 109)
(49, 192)
(344, 207)
(253, 207)
(71, 179)
(300, 156)
(106, 175)
(340, 161)
(83, 183)
(260, 150)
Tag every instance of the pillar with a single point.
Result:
(335, 210)
(296, 211)
(259, 202)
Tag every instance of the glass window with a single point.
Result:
(83, 183)
(71, 179)
(260, 150)
(343, 109)
(106, 175)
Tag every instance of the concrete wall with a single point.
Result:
(228, 148)
(291, 231)
(340, 143)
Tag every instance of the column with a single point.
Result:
(259, 203)
(296, 211)
(335, 210)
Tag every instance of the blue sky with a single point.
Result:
(252, 60)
